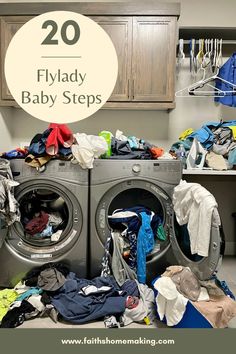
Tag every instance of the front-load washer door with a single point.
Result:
(34, 242)
(130, 193)
(203, 267)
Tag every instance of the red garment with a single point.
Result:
(60, 135)
(156, 152)
(38, 224)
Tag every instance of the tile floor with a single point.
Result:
(227, 272)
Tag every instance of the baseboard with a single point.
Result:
(230, 248)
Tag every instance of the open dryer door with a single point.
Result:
(203, 267)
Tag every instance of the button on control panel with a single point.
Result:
(136, 168)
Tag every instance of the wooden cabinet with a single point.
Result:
(120, 31)
(145, 49)
(153, 59)
(9, 25)
(145, 40)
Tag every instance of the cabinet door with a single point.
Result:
(120, 31)
(9, 26)
(153, 58)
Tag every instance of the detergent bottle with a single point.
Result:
(181, 154)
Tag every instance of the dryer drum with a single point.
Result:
(143, 193)
(176, 248)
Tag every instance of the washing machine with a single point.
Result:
(118, 184)
(60, 191)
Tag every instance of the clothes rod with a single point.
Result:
(224, 41)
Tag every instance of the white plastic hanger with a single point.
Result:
(215, 57)
(181, 55)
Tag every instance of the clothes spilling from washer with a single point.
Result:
(44, 216)
(135, 233)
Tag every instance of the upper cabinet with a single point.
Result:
(146, 48)
(144, 36)
(153, 59)
(9, 25)
(120, 31)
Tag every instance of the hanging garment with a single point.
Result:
(120, 269)
(196, 207)
(228, 73)
(145, 245)
(9, 207)
(106, 271)
(170, 303)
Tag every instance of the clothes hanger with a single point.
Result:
(181, 55)
(215, 60)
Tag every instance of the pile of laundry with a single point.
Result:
(52, 290)
(9, 207)
(59, 142)
(178, 286)
(43, 216)
(125, 147)
(218, 139)
(55, 141)
(134, 233)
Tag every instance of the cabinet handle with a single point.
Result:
(128, 89)
(133, 89)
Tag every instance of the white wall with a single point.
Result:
(6, 125)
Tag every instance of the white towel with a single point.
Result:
(170, 303)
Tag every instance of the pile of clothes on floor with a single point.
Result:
(135, 231)
(217, 138)
(59, 142)
(43, 215)
(178, 286)
(52, 290)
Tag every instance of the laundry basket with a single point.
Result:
(192, 318)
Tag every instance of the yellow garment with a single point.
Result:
(185, 134)
(7, 297)
(233, 128)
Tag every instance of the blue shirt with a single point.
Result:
(228, 73)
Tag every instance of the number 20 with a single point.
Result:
(49, 39)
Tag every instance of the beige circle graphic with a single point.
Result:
(61, 67)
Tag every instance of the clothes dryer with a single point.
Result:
(126, 183)
(61, 191)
